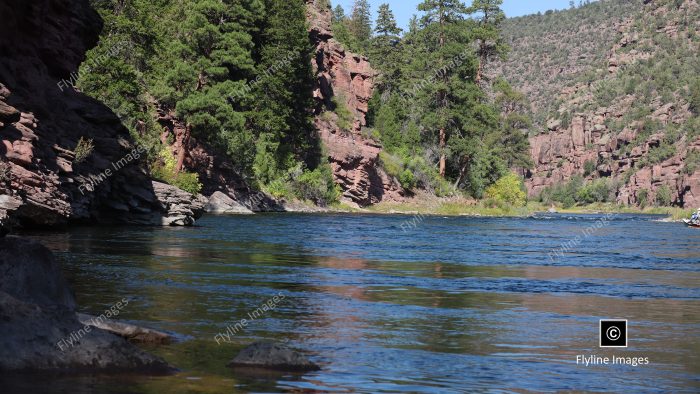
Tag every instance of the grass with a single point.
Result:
(465, 207)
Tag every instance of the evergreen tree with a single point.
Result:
(280, 113)
(338, 14)
(444, 37)
(386, 23)
(384, 52)
(361, 23)
(490, 17)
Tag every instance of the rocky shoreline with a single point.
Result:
(38, 312)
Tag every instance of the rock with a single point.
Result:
(268, 355)
(38, 338)
(128, 331)
(349, 78)
(220, 203)
(30, 273)
(178, 207)
(39, 326)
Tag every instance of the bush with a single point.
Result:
(642, 198)
(589, 167)
(664, 196)
(317, 186)
(345, 118)
(508, 189)
(163, 169)
(83, 150)
(596, 191)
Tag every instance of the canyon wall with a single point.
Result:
(42, 121)
(605, 108)
(345, 78)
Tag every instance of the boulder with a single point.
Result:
(178, 207)
(269, 355)
(220, 203)
(39, 326)
(30, 273)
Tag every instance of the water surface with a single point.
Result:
(457, 304)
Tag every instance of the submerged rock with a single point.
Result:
(40, 329)
(128, 331)
(269, 355)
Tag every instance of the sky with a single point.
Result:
(404, 9)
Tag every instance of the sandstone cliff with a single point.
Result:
(41, 123)
(618, 112)
(345, 78)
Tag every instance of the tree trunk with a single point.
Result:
(443, 156)
(182, 141)
(441, 101)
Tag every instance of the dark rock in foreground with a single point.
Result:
(268, 355)
(39, 327)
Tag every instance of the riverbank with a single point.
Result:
(460, 206)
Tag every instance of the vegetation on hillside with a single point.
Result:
(616, 56)
(445, 126)
(238, 73)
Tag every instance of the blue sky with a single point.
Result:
(404, 9)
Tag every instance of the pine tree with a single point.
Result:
(384, 52)
(386, 23)
(441, 21)
(361, 23)
(283, 97)
(490, 17)
(338, 14)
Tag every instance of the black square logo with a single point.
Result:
(613, 333)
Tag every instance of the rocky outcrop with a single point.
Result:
(43, 118)
(40, 329)
(638, 140)
(347, 79)
(220, 203)
(219, 176)
(269, 355)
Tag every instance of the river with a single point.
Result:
(444, 304)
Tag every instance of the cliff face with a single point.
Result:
(611, 112)
(345, 78)
(41, 183)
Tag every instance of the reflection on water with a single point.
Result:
(459, 304)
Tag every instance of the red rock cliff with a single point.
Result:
(41, 183)
(345, 78)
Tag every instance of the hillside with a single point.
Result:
(614, 88)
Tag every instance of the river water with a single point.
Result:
(440, 304)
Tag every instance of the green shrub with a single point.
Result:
(692, 162)
(642, 198)
(408, 181)
(592, 192)
(317, 186)
(163, 169)
(83, 150)
(663, 196)
(345, 118)
(508, 189)
(589, 167)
